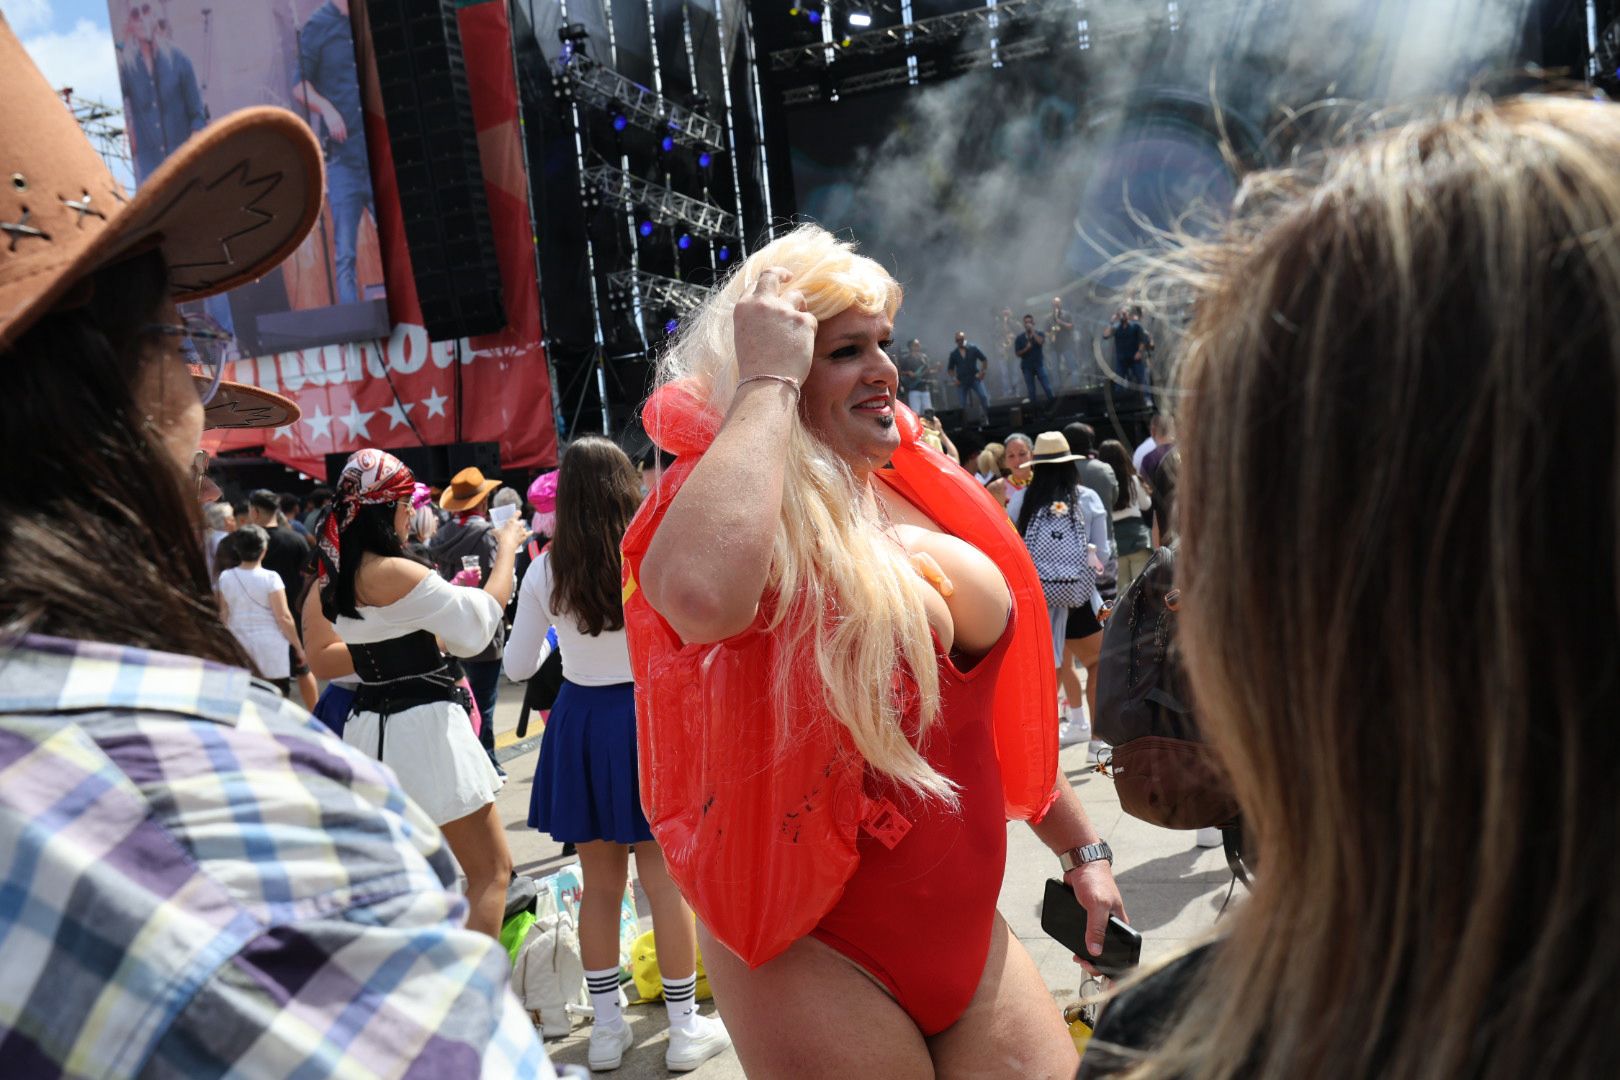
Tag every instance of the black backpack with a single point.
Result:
(1164, 771)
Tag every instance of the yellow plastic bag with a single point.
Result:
(644, 969)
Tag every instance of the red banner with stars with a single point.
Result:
(407, 391)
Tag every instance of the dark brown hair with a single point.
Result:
(102, 540)
(598, 491)
(1448, 294)
(1113, 452)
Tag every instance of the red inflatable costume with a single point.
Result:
(758, 830)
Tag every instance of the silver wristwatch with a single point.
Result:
(1081, 855)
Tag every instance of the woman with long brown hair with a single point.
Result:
(586, 788)
(1436, 312)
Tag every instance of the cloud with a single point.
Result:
(83, 58)
(26, 16)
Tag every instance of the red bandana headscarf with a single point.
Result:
(370, 478)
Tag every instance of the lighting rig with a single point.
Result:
(632, 287)
(943, 45)
(661, 205)
(645, 165)
(583, 78)
(996, 17)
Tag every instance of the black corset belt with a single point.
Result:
(401, 674)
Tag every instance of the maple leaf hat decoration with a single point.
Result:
(233, 201)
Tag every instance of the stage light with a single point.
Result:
(815, 18)
(793, 11)
(646, 228)
(620, 122)
(861, 19)
(684, 242)
(672, 326)
(725, 254)
(704, 160)
(668, 144)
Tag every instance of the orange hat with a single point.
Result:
(467, 489)
(224, 208)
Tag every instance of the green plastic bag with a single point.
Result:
(514, 931)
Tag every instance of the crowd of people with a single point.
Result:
(812, 662)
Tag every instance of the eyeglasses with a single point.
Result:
(203, 348)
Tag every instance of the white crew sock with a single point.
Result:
(680, 998)
(604, 990)
(1078, 721)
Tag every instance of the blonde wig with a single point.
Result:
(846, 597)
(1400, 610)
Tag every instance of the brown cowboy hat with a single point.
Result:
(467, 489)
(238, 405)
(224, 208)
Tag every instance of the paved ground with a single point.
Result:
(1172, 890)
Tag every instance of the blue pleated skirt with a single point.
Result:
(585, 785)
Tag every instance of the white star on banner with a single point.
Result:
(320, 424)
(357, 421)
(397, 413)
(282, 432)
(435, 402)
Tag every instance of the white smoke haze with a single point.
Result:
(1001, 188)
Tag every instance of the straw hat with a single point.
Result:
(1051, 448)
(467, 489)
(231, 203)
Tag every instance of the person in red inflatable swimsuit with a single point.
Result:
(844, 690)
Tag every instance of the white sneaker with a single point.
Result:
(608, 1045)
(1097, 749)
(1073, 734)
(1210, 837)
(691, 1047)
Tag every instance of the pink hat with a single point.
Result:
(421, 495)
(543, 492)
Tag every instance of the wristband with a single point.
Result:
(786, 380)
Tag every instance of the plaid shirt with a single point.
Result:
(197, 880)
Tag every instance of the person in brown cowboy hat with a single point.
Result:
(192, 861)
(469, 536)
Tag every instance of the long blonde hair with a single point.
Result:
(1401, 616)
(845, 595)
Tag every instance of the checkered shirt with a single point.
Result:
(197, 880)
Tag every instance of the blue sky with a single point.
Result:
(71, 42)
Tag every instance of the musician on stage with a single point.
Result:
(1060, 336)
(1030, 347)
(916, 377)
(1132, 347)
(968, 364)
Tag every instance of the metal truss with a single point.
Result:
(898, 76)
(104, 127)
(657, 291)
(605, 88)
(918, 34)
(664, 206)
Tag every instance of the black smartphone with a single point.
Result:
(1064, 920)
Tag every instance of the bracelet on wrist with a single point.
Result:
(785, 380)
